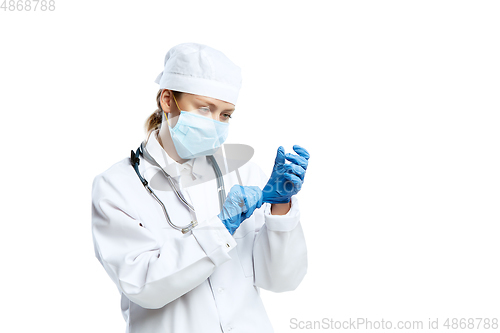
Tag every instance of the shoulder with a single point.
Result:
(118, 180)
(117, 189)
(118, 171)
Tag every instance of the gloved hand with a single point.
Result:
(286, 179)
(239, 205)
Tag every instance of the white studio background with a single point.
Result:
(397, 102)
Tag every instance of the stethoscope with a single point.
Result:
(135, 160)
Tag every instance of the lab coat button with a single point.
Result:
(227, 245)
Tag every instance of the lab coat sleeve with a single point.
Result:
(149, 273)
(279, 253)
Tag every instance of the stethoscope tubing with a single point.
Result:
(135, 160)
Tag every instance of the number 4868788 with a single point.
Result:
(28, 5)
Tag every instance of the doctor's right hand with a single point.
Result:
(240, 205)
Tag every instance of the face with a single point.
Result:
(202, 105)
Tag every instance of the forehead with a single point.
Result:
(209, 100)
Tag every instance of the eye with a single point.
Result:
(204, 109)
(226, 116)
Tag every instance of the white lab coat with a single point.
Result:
(205, 280)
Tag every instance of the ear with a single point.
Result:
(166, 99)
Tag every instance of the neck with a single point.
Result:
(166, 142)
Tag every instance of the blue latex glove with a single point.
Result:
(239, 205)
(286, 179)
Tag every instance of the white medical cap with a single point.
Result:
(201, 70)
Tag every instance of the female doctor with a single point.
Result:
(183, 258)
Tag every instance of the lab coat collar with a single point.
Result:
(173, 168)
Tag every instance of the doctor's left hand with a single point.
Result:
(286, 178)
(240, 205)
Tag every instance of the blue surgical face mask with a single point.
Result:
(195, 135)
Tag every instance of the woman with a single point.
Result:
(198, 265)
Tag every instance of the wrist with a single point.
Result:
(261, 197)
(281, 208)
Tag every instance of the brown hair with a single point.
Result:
(154, 120)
